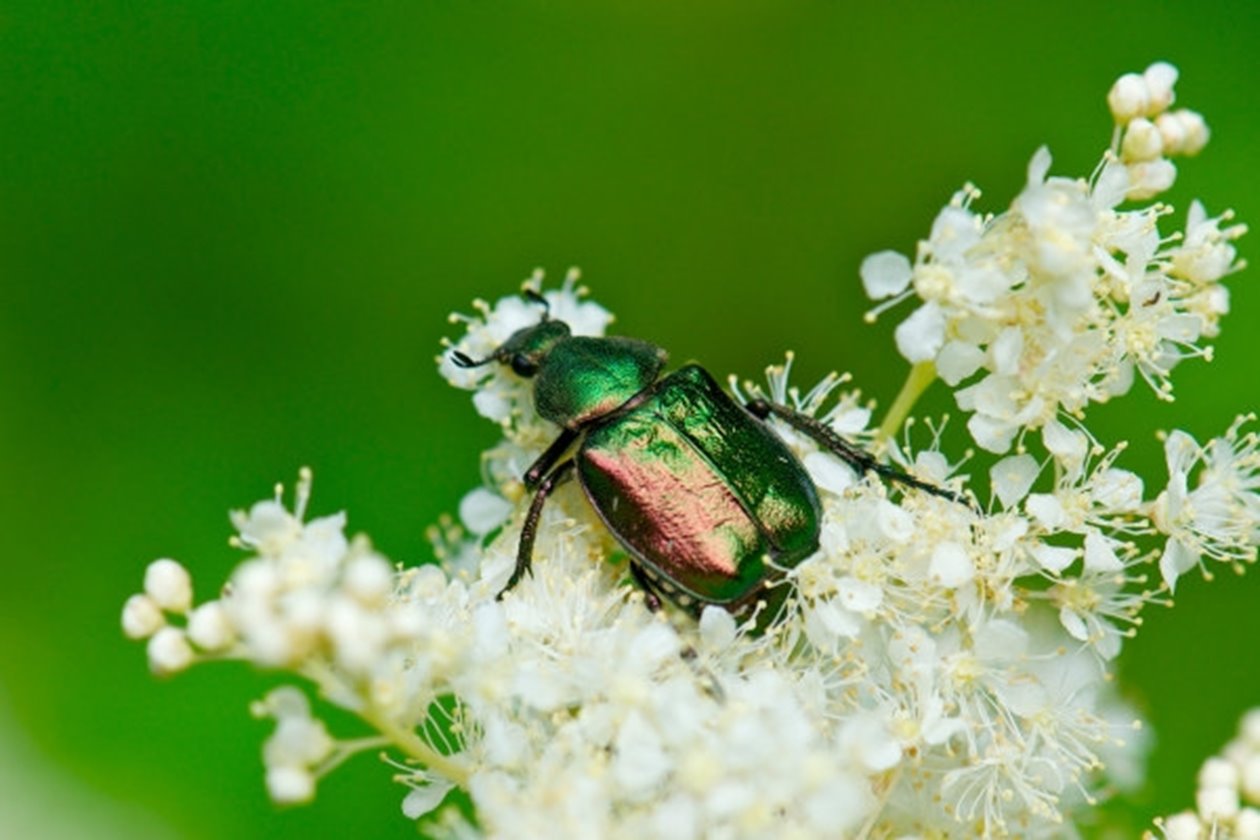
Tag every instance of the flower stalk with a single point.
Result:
(921, 375)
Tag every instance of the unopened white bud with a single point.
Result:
(169, 585)
(169, 651)
(1251, 778)
(1172, 132)
(1183, 826)
(1196, 129)
(1237, 751)
(406, 621)
(209, 627)
(1184, 132)
(1217, 772)
(1247, 824)
(141, 618)
(1217, 803)
(1128, 98)
(357, 634)
(284, 701)
(290, 785)
(299, 741)
(1250, 728)
(1160, 78)
(1142, 141)
(369, 580)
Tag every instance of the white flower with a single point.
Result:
(1219, 518)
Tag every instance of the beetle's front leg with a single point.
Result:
(859, 459)
(548, 459)
(525, 548)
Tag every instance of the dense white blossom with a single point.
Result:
(1073, 292)
(941, 666)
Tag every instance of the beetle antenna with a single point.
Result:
(466, 361)
(533, 295)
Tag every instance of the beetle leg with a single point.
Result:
(651, 597)
(525, 549)
(547, 460)
(859, 459)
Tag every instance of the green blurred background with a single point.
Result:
(230, 234)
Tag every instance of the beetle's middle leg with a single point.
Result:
(858, 458)
(651, 595)
(525, 548)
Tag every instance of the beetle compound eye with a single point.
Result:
(523, 365)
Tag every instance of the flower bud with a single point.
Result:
(141, 618)
(1142, 141)
(169, 651)
(1250, 728)
(1247, 825)
(1160, 78)
(1183, 826)
(1196, 130)
(169, 585)
(290, 785)
(1217, 803)
(369, 580)
(1217, 772)
(1172, 132)
(1128, 98)
(1251, 778)
(209, 627)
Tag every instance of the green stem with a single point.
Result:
(411, 744)
(921, 375)
(402, 737)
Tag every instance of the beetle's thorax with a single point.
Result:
(581, 378)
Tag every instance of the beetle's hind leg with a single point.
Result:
(529, 531)
(858, 458)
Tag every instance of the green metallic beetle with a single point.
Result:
(707, 499)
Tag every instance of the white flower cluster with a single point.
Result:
(1058, 301)
(327, 608)
(939, 671)
(1227, 803)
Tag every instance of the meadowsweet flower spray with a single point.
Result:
(940, 665)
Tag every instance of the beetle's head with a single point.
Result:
(525, 349)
